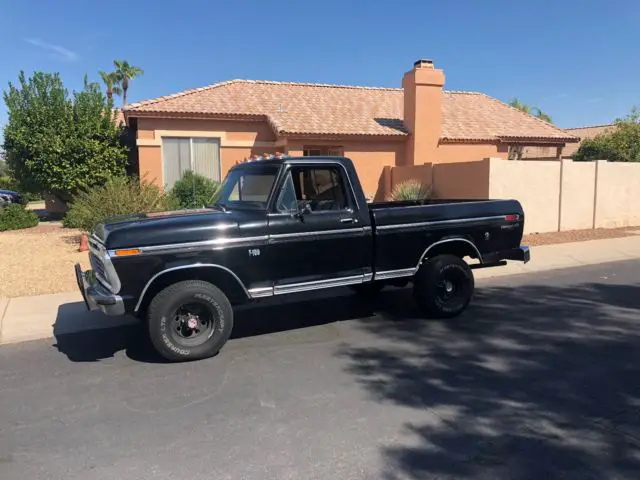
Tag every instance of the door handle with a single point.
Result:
(346, 220)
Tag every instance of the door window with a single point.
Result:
(322, 189)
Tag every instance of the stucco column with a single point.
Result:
(423, 111)
(150, 164)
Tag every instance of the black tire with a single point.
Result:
(189, 320)
(444, 286)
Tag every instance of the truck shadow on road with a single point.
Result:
(271, 316)
(531, 382)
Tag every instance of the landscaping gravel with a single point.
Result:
(39, 260)
(538, 239)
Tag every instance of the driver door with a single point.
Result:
(314, 232)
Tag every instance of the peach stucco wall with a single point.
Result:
(235, 130)
(150, 164)
(536, 185)
(461, 180)
(578, 189)
(617, 202)
(460, 152)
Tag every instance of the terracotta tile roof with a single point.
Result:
(585, 132)
(319, 109)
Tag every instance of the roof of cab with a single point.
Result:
(291, 160)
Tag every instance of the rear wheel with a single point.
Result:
(444, 286)
(189, 320)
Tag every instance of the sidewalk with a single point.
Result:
(44, 316)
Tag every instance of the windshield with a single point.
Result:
(247, 187)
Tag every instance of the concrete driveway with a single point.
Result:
(539, 379)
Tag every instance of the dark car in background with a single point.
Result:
(7, 197)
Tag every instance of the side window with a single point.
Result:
(322, 188)
(287, 201)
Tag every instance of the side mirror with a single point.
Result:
(300, 212)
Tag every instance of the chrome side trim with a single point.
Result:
(303, 287)
(448, 240)
(182, 267)
(440, 222)
(112, 282)
(261, 292)
(386, 274)
(205, 244)
(367, 277)
(317, 233)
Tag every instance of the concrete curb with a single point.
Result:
(45, 316)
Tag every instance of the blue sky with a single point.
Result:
(577, 60)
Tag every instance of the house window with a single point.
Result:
(200, 155)
(323, 151)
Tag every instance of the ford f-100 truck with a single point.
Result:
(283, 226)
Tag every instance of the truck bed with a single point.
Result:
(404, 230)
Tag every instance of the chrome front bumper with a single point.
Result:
(96, 296)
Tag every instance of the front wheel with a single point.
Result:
(443, 286)
(189, 320)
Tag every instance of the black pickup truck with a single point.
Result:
(284, 226)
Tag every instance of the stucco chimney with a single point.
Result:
(423, 111)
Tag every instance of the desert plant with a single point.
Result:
(118, 196)
(15, 217)
(194, 190)
(410, 190)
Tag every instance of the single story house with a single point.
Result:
(210, 129)
(583, 133)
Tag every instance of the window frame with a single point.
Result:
(286, 173)
(191, 161)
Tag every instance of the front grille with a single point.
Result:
(98, 268)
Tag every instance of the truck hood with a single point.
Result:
(163, 228)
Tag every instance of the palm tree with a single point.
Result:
(126, 72)
(111, 81)
(528, 109)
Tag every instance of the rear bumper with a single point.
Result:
(521, 254)
(96, 296)
(496, 259)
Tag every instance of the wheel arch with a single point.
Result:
(222, 277)
(458, 246)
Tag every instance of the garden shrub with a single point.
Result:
(15, 217)
(410, 190)
(194, 190)
(118, 196)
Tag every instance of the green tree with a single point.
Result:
(621, 144)
(111, 83)
(4, 169)
(126, 72)
(60, 143)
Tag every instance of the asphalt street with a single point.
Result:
(540, 378)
